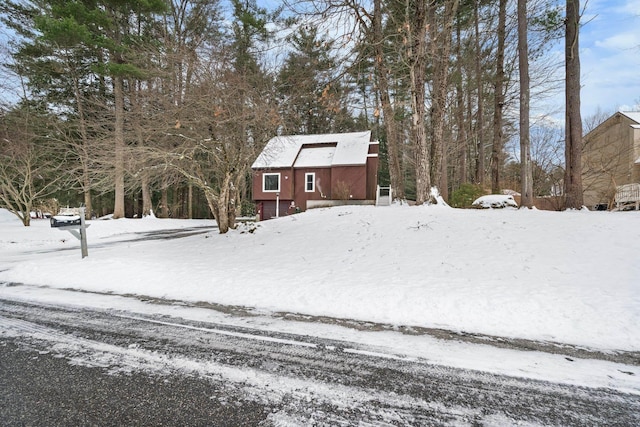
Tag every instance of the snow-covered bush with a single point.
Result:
(495, 201)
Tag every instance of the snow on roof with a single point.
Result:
(633, 115)
(315, 157)
(283, 151)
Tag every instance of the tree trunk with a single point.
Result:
(190, 202)
(440, 47)
(164, 201)
(526, 171)
(460, 107)
(393, 137)
(479, 178)
(147, 207)
(87, 193)
(141, 167)
(26, 217)
(496, 148)
(118, 93)
(417, 53)
(84, 150)
(573, 125)
(222, 205)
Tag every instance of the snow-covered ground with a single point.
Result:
(563, 277)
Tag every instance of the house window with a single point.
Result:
(309, 182)
(271, 182)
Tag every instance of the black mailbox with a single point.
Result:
(65, 221)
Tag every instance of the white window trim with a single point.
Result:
(264, 181)
(313, 188)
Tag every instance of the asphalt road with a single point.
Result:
(69, 366)
(47, 390)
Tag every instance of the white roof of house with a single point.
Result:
(633, 115)
(286, 151)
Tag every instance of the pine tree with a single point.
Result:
(312, 97)
(86, 45)
(573, 122)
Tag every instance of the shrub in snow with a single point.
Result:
(495, 201)
(464, 196)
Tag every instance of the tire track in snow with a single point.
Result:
(263, 387)
(335, 383)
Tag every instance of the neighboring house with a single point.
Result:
(610, 158)
(293, 172)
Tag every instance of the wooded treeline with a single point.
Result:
(134, 106)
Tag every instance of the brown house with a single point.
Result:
(294, 172)
(610, 158)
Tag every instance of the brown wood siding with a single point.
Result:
(372, 177)
(351, 178)
(286, 185)
(322, 187)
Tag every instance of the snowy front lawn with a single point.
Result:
(570, 277)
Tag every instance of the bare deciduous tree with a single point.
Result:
(30, 166)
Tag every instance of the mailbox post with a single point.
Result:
(75, 226)
(83, 235)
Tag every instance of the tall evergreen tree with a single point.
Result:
(121, 17)
(526, 175)
(499, 99)
(573, 122)
(440, 27)
(82, 43)
(56, 58)
(312, 97)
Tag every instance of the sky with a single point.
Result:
(610, 56)
(568, 277)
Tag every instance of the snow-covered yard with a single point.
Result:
(566, 277)
(571, 277)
